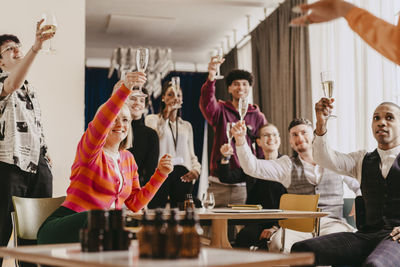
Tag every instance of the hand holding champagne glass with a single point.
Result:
(327, 86)
(243, 106)
(142, 59)
(50, 22)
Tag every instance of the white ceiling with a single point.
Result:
(191, 28)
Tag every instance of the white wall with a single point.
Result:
(58, 79)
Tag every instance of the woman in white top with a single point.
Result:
(176, 138)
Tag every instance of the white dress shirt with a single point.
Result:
(280, 170)
(349, 164)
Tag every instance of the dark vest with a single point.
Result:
(381, 196)
(330, 188)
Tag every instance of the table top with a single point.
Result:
(262, 214)
(71, 255)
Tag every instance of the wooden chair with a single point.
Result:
(29, 214)
(301, 203)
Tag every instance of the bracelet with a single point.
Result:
(33, 50)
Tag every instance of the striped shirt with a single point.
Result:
(94, 181)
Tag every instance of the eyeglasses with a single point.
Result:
(10, 48)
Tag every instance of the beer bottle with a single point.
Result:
(191, 232)
(145, 237)
(173, 236)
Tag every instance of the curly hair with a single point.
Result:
(239, 75)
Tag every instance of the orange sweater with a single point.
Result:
(94, 183)
(379, 34)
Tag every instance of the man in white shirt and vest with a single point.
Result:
(300, 175)
(377, 243)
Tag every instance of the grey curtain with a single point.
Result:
(281, 67)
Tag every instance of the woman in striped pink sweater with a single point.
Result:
(104, 174)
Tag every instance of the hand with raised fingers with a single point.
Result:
(42, 34)
(322, 110)
(320, 11)
(239, 132)
(135, 79)
(213, 67)
(165, 164)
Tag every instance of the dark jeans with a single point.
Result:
(172, 187)
(355, 249)
(15, 182)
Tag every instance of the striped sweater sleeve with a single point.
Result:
(94, 138)
(379, 34)
(140, 197)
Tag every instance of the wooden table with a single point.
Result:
(71, 255)
(219, 220)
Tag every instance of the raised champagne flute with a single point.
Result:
(142, 59)
(176, 86)
(49, 19)
(229, 132)
(243, 106)
(220, 56)
(327, 87)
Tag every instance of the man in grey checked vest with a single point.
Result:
(300, 175)
(377, 243)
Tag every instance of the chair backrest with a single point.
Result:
(347, 208)
(30, 213)
(301, 203)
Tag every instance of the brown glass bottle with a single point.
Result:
(191, 232)
(145, 236)
(189, 203)
(158, 239)
(173, 236)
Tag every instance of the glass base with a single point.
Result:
(219, 77)
(48, 51)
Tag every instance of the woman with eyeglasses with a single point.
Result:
(24, 163)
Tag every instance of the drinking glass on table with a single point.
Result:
(49, 19)
(327, 87)
(243, 106)
(142, 59)
(207, 201)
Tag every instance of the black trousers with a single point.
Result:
(15, 182)
(172, 187)
(250, 236)
(355, 249)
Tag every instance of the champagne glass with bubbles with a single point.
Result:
(327, 86)
(243, 106)
(228, 131)
(142, 59)
(49, 19)
(220, 56)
